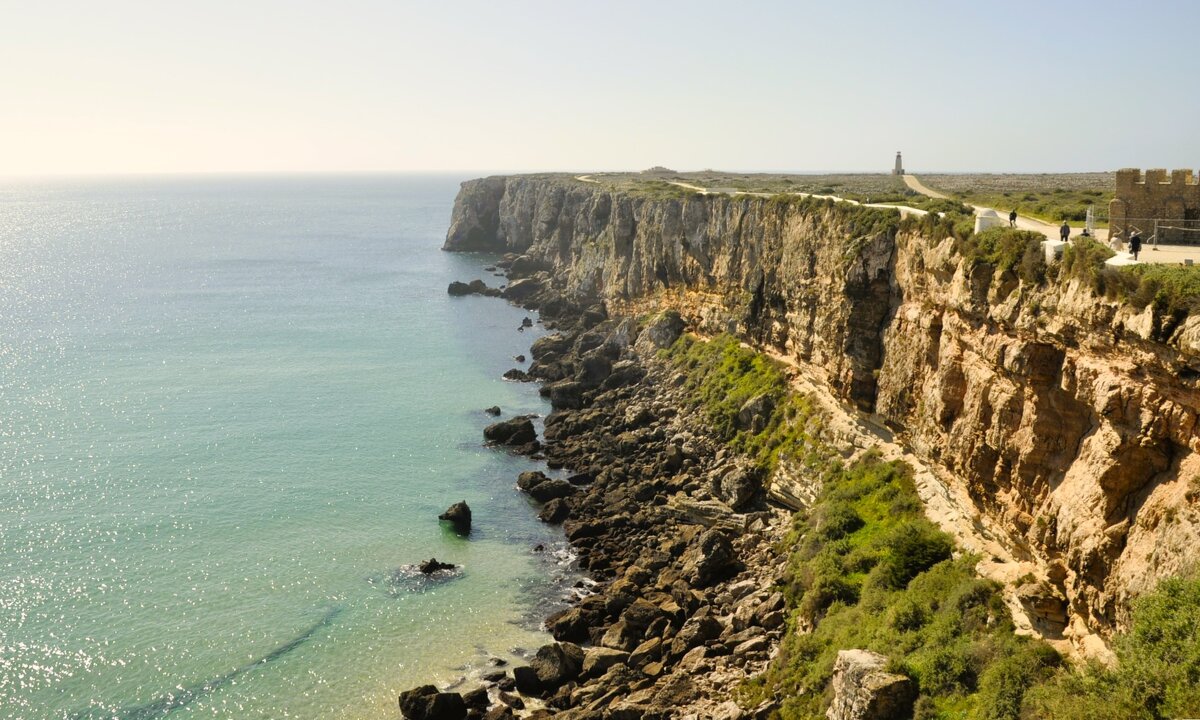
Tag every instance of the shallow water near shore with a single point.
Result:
(230, 410)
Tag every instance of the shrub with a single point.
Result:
(913, 547)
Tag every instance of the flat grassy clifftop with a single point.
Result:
(860, 187)
(1052, 197)
(867, 570)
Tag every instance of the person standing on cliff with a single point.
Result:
(1012, 218)
(1064, 232)
(1135, 244)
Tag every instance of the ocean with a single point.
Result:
(231, 409)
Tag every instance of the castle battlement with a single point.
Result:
(1143, 197)
(1128, 178)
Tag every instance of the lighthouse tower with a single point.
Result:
(899, 169)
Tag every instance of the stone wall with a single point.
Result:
(1172, 199)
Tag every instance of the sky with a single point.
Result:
(125, 86)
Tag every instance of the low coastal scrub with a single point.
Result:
(1007, 249)
(724, 378)
(867, 570)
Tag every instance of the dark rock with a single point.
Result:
(526, 679)
(432, 565)
(594, 369)
(709, 558)
(519, 358)
(458, 289)
(555, 511)
(512, 701)
(426, 703)
(520, 290)
(597, 660)
(494, 410)
(517, 375)
(549, 344)
(500, 712)
(542, 488)
(755, 413)
(738, 486)
(552, 489)
(557, 663)
(516, 431)
(477, 698)
(527, 322)
(565, 394)
(525, 265)
(662, 332)
(458, 515)
(696, 632)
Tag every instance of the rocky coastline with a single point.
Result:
(672, 525)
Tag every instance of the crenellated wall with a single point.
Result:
(1068, 419)
(1140, 200)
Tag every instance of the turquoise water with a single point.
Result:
(230, 409)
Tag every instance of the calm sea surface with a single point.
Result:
(230, 410)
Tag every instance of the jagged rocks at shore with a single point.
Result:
(674, 528)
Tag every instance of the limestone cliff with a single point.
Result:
(1069, 420)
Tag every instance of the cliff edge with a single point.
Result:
(1066, 419)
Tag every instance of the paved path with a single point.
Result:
(1161, 255)
(1024, 223)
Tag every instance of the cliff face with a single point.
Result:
(1071, 428)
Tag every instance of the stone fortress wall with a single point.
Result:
(1173, 200)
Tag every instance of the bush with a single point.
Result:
(913, 547)
(1008, 249)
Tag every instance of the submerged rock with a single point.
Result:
(432, 565)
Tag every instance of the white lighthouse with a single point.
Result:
(899, 169)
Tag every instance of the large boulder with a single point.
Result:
(661, 332)
(708, 559)
(544, 489)
(737, 485)
(557, 663)
(755, 413)
(863, 690)
(459, 516)
(523, 289)
(426, 703)
(516, 431)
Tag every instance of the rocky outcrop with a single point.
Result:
(1068, 421)
(459, 517)
(864, 690)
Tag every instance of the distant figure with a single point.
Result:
(1135, 244)
(1064, 232)
(1012, 219)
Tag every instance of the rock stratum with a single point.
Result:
(1060, 427)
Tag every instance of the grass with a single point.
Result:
(867, 570)
(863, 187)
(1048, 197)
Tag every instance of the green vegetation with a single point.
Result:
(1157, 675)
(1048, 197)
(722, 376)
(867, 570)
(864, 187)
(1173, 290)
(1007, 249)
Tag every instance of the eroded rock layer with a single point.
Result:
(1070, 420)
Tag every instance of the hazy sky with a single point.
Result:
(360, 85)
